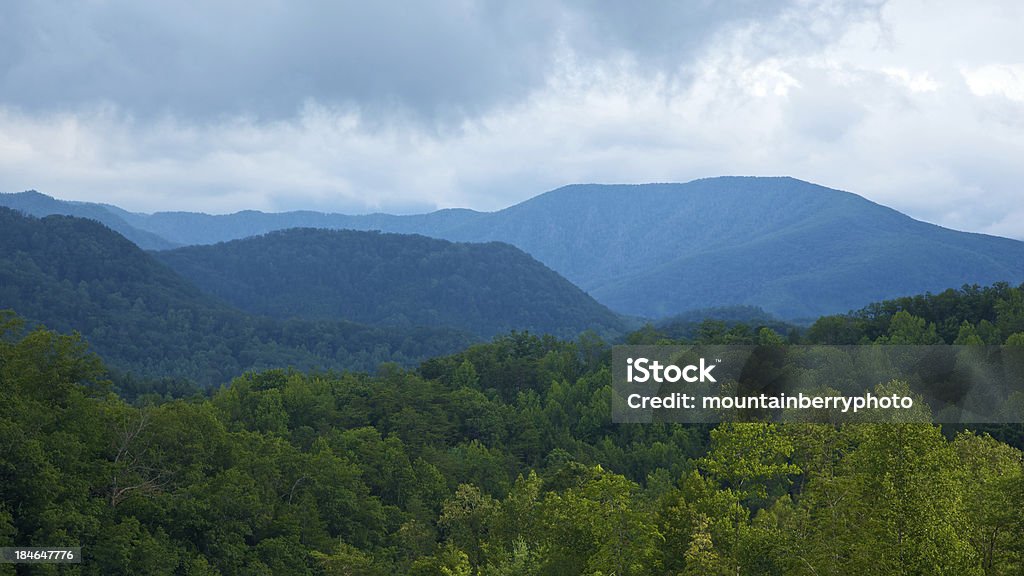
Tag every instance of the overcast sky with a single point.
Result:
(411, 106)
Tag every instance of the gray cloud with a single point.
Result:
(267, 58)
(227, 58)
(436, 60)
(411, 106)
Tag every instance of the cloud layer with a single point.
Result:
(396, 107)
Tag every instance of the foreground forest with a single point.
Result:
(501, 459)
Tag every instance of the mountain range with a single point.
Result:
(147, 321)
(792, 248)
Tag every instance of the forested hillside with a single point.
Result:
(795, 249)
(501, 459)
(969, 315)
(75, 274)
(392, 279)
(705, 321)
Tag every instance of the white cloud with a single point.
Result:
(1006, 80)
(915, 82)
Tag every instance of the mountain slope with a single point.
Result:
(75, 274)
(35, 204)
(392, 279)
(795, 249)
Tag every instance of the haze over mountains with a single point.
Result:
(796, 249)
(36, 204)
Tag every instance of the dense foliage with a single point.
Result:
(75, 274)
(970, 315)
(498, 460)
(392, 279)
(699, 324)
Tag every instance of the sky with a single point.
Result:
(408, 107)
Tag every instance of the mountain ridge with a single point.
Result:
(76, 274)
(34, 203)
(796, 249)
(382, 278)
